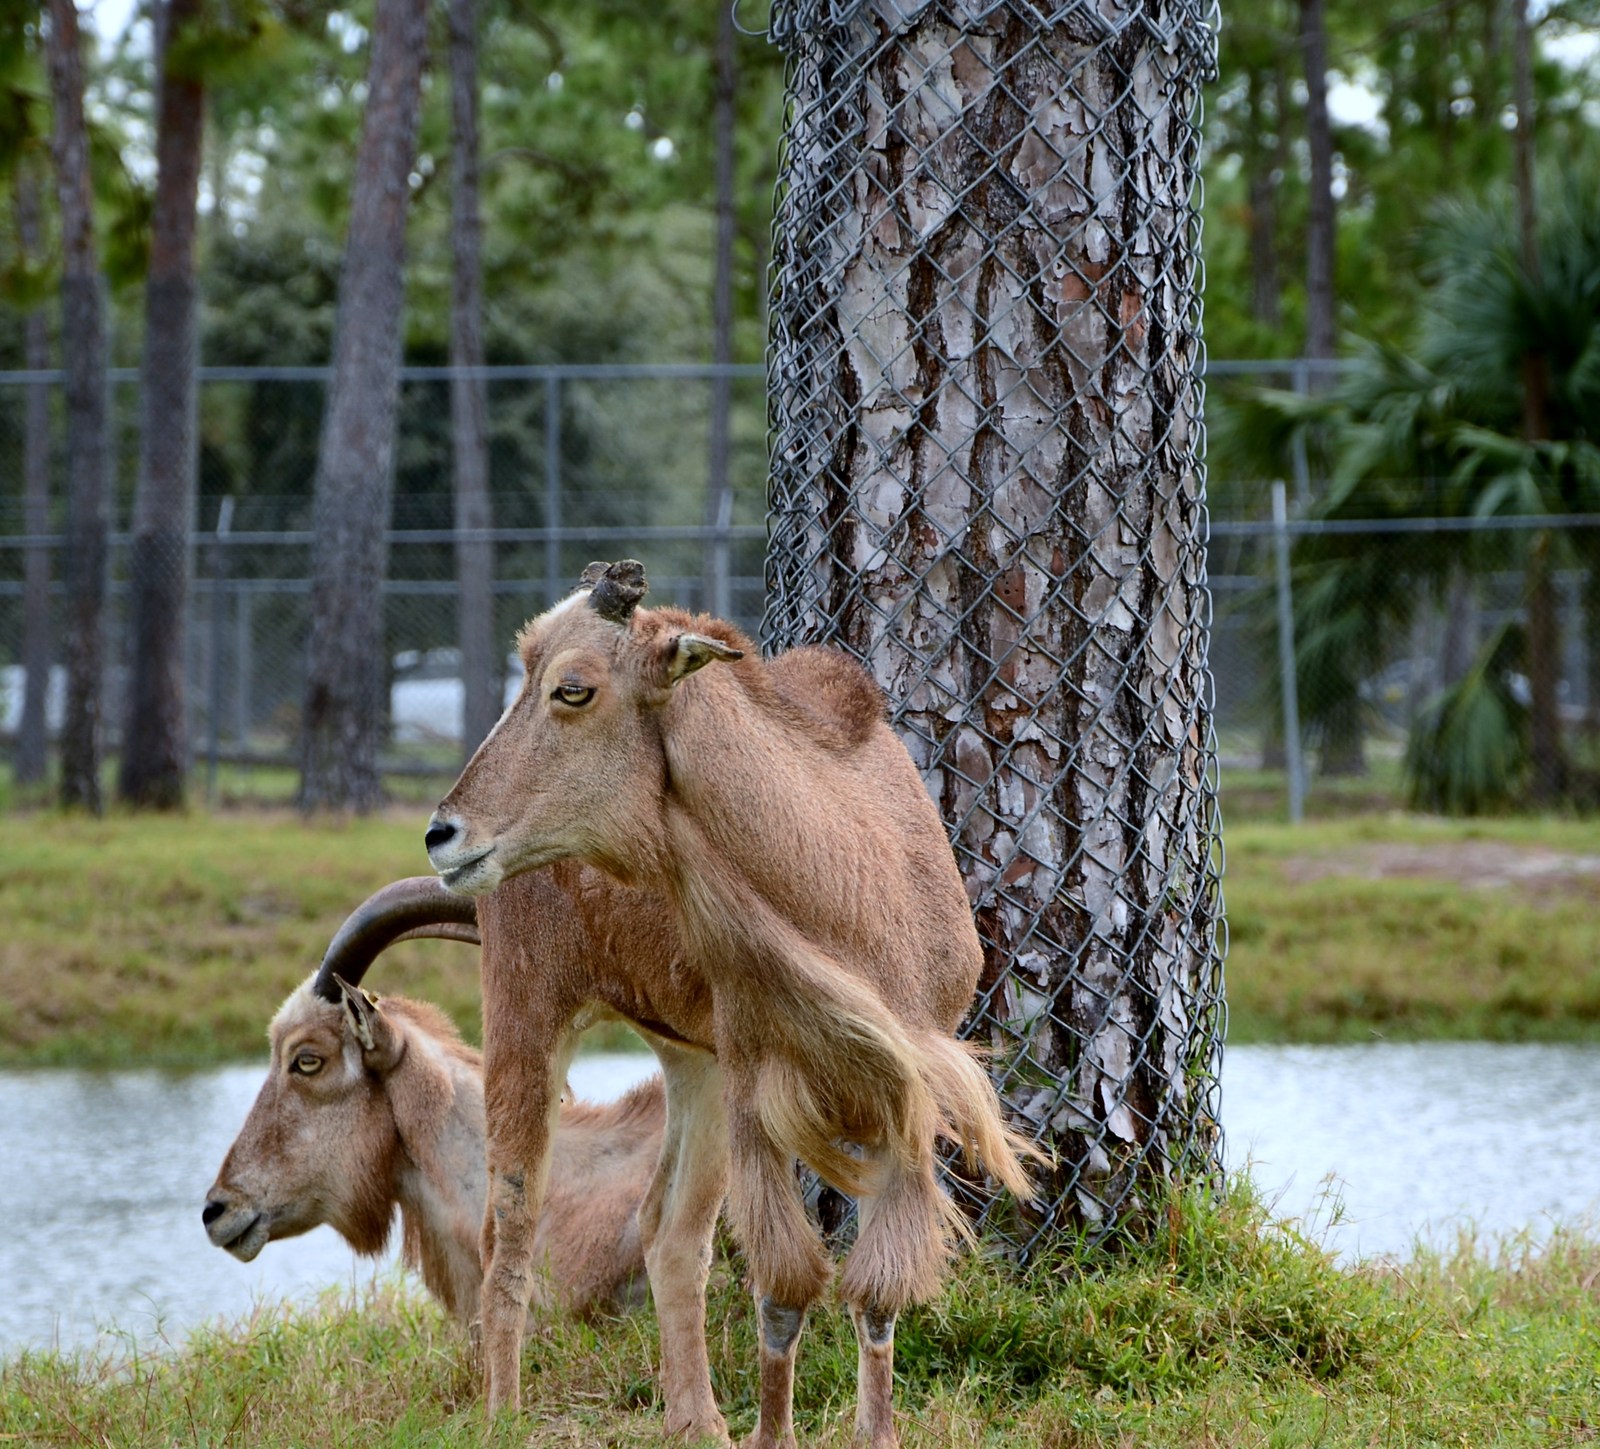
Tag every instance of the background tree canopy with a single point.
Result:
(599, 219)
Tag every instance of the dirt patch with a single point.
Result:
(1476, 864)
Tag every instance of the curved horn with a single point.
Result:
(615, 589)
(403, 910)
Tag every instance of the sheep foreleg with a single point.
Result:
(520, 1109)
(677, 1222)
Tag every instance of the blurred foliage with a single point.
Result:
(1468, 754)
(1419, 97)
(1435, 430)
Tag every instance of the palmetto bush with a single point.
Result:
(1438, 430)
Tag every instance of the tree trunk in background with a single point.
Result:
(1320, 222)
(1343, 727)
(155, 741)
(343, 720)
(32, 757)
(1549, 763)
(719, 492)
(469, 407)
(1274, 748)
(987, 486)
(1265, 286)
(1591, 642)
(83, 349)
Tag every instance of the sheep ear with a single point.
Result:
(689, 652)
(368, 1025)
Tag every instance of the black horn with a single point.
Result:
(615, 589)
(409, 909)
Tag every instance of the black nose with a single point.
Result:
(212, 1211)
(441, 834)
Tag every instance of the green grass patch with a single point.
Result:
(170, 940)
(1411, 928)
(1218, 1329)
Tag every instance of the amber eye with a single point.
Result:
(575, 695)
(308, 1064)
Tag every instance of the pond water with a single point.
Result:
(102, 1175)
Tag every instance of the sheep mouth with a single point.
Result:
(248, 1240)
(476, 875)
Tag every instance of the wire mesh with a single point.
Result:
(984, 381)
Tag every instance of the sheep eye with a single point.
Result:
(574, 694)
(308, 1064)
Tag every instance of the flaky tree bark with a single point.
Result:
(469, 406)
(83, 349)
(32, 756)
(986, 485)
(155, 738)
(343, 720)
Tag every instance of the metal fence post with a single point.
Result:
(219, 573)
(1294, 752)
(717, 546)
(243, 662)
(552, 488)
(1300, 454)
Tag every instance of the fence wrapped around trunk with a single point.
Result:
(987, 484)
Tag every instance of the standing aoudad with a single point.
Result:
(824, 955)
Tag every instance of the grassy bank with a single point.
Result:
(1406, 927)
(171, 940)
(1216, 1332)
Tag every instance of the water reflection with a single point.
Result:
(105, 1172)
(104, 1177)
(1421, 1138)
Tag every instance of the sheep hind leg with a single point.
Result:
(899, 1258)
(780, 1339)
(677, 1223)
(874, 1377)
(788, 1266)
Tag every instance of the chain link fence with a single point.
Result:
(986, 418)
(585, 462)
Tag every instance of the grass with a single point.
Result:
(1218, 1330)
(143, 940)
(170, 940)
(1325, 947)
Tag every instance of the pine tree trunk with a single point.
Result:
(987, 486)
(343, 720)
(1459, 647)
(32, 756)
(469, 407)
(1344, 738)
(1591, 641)
(83, 347)
(155, 741)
